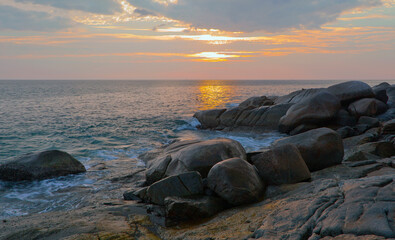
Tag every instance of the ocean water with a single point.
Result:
(108, 121)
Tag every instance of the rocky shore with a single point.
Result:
(332, 178)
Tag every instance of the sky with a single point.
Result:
(197, 39)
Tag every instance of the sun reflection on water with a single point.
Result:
(213, 94)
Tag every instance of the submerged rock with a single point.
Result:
(281, 165)
(320, 148)
(236, 181)
(38, 166)
(318, 109)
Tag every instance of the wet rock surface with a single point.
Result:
(38, 166)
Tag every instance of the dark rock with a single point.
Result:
(359, 155)
(236, 181)
(188, 156)
(320, 148)
(391, 96)
(195, 207)
(388, 115)
(367, 107)
(318, 109)
(281, 165)
(271, 117)
(351, 91)
(302, 128)
(204, 155)
(228, 118)
(256, 102)
(156, 169)
(369, 136)
(389, 127)
(382, 149)
(298, 96)
(183, 185)
(209, 118)
(371, 122)
(380, 91)
(361, 128)
(343, 118)
(38, 166)
(346, 132)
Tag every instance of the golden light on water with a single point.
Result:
(213, 95)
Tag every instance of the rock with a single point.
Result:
(209, 118)
(367, 107)
(156, 169)
(382, 149)
(320, 108)
(229, 118)
(391, 96)
(371, 122)
(204, 155)
(271, 117)
(256, 102)
(388, 115)
(369, 136)
(236, 181)
(302, 128)
(298, 96)
(281, 165)
(183, 185)
(351, 91)
(389, 127)
(359, 155)
(38, 166)
(195, 207)
(320, 148)
(346, 132)
(188, 156)
(327, 208)
(361, 128)
(343, 118)
(380, 91)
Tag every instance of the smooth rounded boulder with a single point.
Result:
(236, 181)
(367, 107)
(198, 156)
(281, 165)
(320, 108)
(351, 91)
(320, 148)
(38, 166)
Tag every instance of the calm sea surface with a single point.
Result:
(102, 121)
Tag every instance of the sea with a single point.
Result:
(108, 121)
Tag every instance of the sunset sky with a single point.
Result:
(197, 39)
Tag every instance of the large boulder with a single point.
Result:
(209, 118)
(298, 96)
(192, 156)
(194, 207)
(367, 107)
(183, 185)
(236, 181)
(281, 165)
(380, 91)
(391, 96)
(320, 148)
(351, 91)
(343, 118)
(38, 166)
(320, 108)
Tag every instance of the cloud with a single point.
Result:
(94, 6)
(15, 19)
(252, 15)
